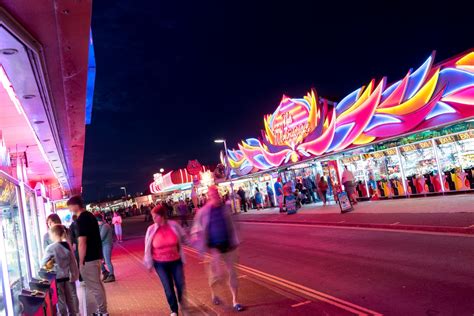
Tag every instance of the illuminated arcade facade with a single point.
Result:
(415, 136)
(47, 73)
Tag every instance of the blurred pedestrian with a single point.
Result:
(164, 251)
(348, 181)
(90, 253)
(279, 193)
(67, 272)
(323, 188)
(117, 222)
(183, 213)
(271, 195)
(258, 199)
(107, 238)
(214, 231)
(243, 200)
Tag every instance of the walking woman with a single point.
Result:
(323, 188)
(117, 222)
(164, 251)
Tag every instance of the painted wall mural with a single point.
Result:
(430, 96)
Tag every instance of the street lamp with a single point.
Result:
(222, 141)
(125, 191)
(162, 170)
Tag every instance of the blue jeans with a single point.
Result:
(171, 274)
(107, 252)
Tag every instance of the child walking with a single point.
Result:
(67, 271)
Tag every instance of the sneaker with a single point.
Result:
(110, 278)
(238, 307)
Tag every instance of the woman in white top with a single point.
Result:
(117, 222)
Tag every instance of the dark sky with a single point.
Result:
(174, 75)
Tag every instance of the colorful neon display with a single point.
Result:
(164, 182)
(308, 127)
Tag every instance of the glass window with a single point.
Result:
(421, 170)
(15, 254)
(2, 297)
(456, 159)
(32, 226)
(384, 173)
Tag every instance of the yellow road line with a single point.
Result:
(320, 296)
(300, 304)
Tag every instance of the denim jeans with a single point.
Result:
(107, 252)
(171, 274)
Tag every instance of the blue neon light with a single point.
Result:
(90, 81)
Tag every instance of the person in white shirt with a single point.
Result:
(348, 181)
(117, 222)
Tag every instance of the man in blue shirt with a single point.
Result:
(270, 195)
(279, 193)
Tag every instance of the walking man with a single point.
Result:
(214, 232)
(243, 200)
(279, 193)
(107, 237)
(90, 253)
(271, 195)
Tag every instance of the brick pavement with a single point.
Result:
(138, 292)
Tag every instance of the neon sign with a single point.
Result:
(299, 129)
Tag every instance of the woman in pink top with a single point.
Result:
(163, 251)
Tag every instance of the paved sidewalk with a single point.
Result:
(440, 214)
(139, 292)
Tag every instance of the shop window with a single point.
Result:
(32, 226)
(383, 173)
(456, 159)
(12, 231)
(421, 170)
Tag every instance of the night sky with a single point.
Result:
(174, 75)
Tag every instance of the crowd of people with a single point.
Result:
(305, 190)
(80, 253)
(84, 250)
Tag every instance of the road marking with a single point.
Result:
(401, 231)
(341, 222)
(298, 288)
(472, 226)
(300, 304)
(396, 223)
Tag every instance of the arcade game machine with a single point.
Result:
(421, 170)
(456, 158)
(384, 174)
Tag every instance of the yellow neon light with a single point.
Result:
(365, 95)
(417, 101)
(363, 139)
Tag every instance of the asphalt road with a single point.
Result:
(393, 273)
(387, 272)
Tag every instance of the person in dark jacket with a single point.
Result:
(243, 199)
(107, 237)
